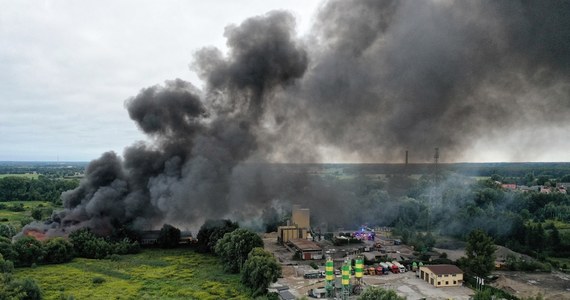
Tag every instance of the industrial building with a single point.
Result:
(298, 226)
(442, 275)
(307, 249)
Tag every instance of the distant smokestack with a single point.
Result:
(435, 156)
(406, 158)
(436, 160)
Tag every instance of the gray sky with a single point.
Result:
(68, 66)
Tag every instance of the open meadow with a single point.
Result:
(25, 175)
(9, 216)
(151, 274)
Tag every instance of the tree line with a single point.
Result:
(16, 188)
(241, 251)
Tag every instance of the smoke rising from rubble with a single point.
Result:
(374, 78)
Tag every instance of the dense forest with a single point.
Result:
(17, 188)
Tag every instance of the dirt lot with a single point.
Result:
(501, 253)
(553, 286)
(406, 284)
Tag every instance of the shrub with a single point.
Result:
(7, 249)
(29, 250)
(98, 280)
(87, 244)
(7, 230)
(169, 236)
(37, 214)
(23, 289)
(58, 250)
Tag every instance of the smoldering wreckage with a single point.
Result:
(371, 79)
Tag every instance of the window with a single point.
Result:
(438, 275)
(447, 283)
(454, 282)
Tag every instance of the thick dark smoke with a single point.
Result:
(386, 76)
(372, 79)
(184, 175)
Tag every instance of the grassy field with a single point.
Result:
(152, 274)
(14, 217)
(27, 175)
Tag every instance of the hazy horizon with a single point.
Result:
(376, 78)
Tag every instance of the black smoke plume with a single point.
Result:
(184, 174)
(372, 79)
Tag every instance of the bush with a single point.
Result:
(25, 288)
(29, 250)
(25, 221)
(125, 246)
(7, 249)
(7, 231)
(169, 236)
(98, 280)
(37, 214)
(58, 250)
(376, 293)
(17, 207)
(6, 266)
(87, 244)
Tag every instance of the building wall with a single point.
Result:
(309, 255)
(287, 233)
(301, 216)
(440, 280)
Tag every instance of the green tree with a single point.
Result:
(376, 293)
(26, 288)
(7, 231)
(554, 238)
(234, 248)
(542, 179)
(480, 252)
(87, 244)
(259, 271)
(58, 250)
(6, 266)
(7, 249)
(16, 289)
(211, 231)
(169, 236)
(529, 179)
(37, 214)
(29, 251)
(496, 177)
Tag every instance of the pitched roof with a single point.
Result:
(444, 269)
